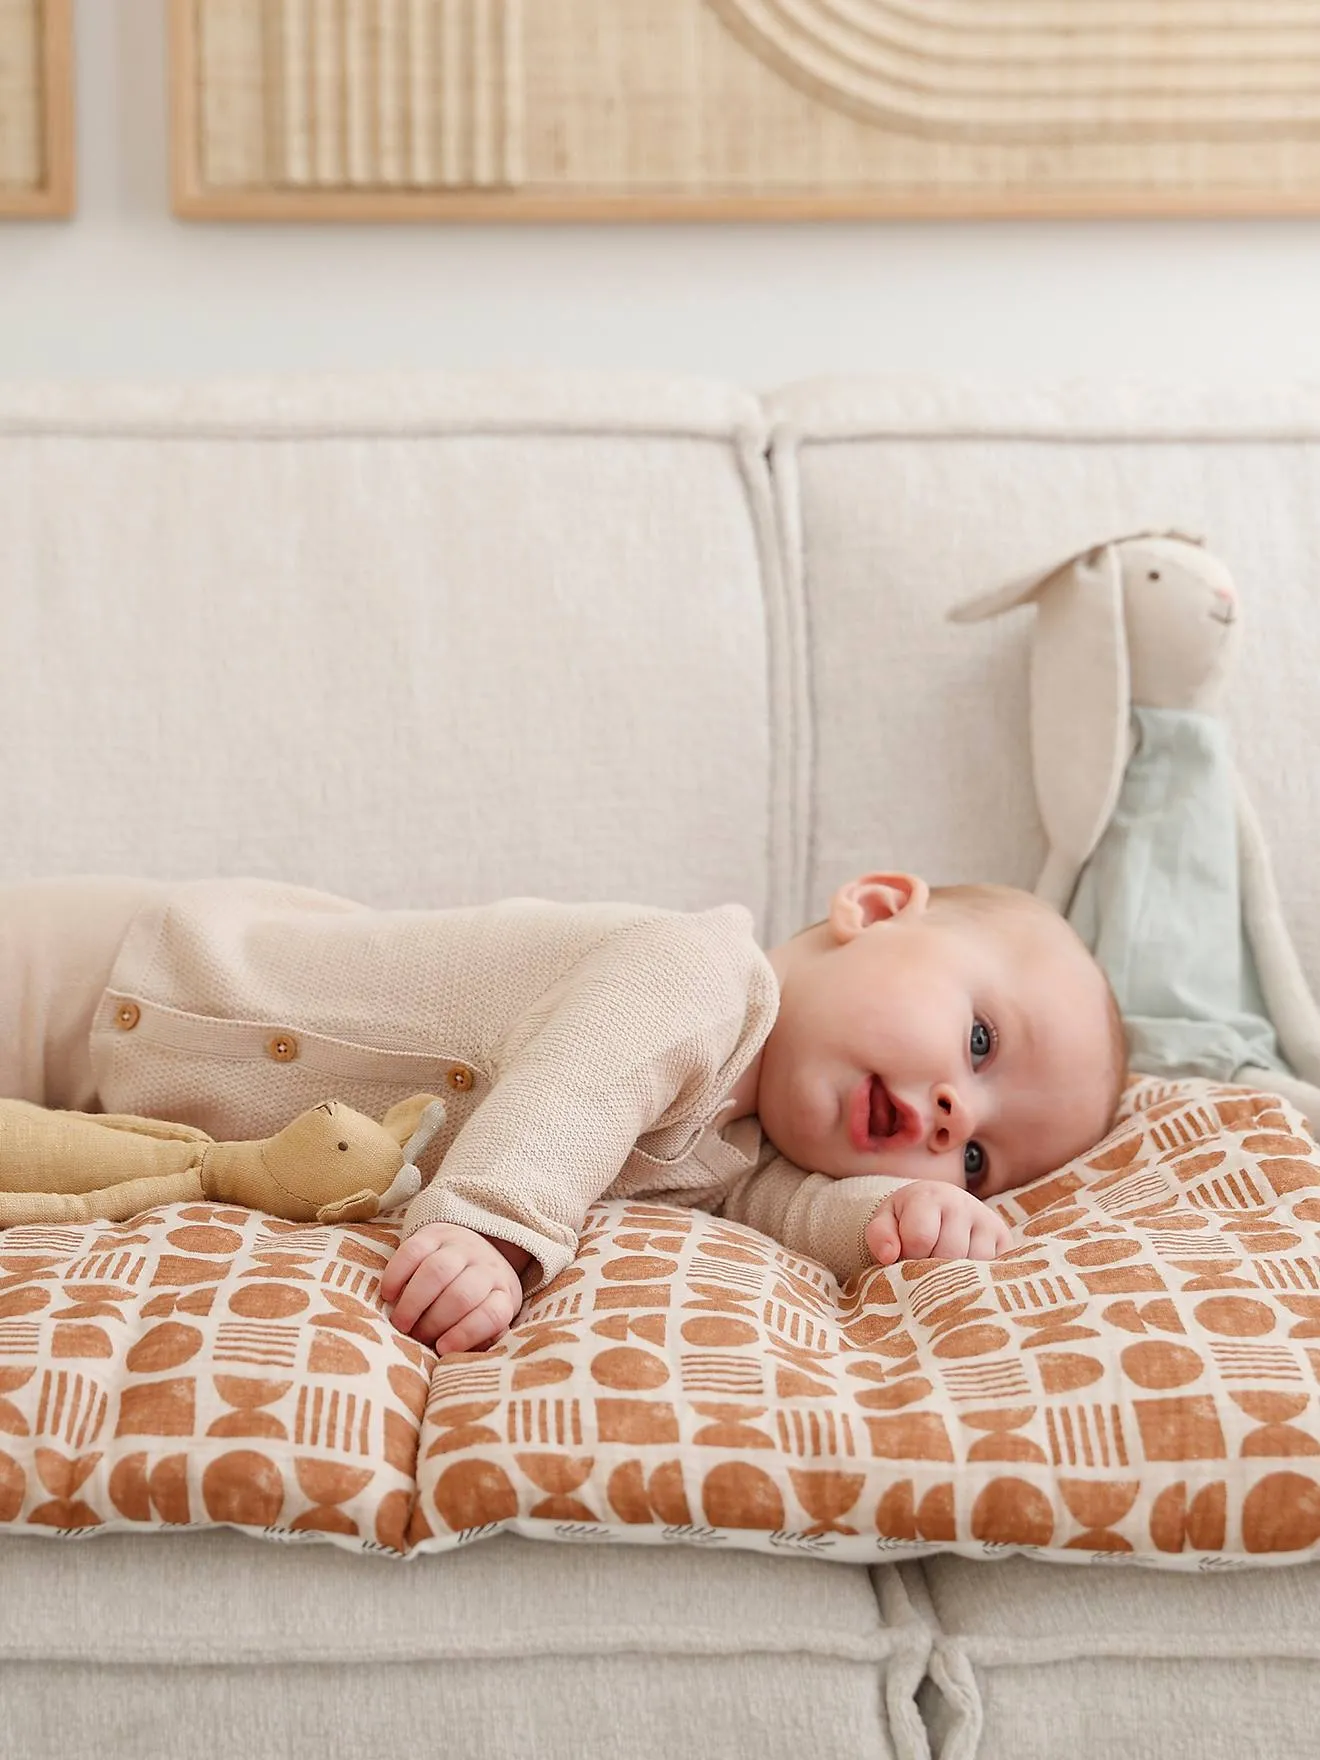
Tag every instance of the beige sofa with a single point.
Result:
(446, 640)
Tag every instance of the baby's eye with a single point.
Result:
(982, 1041)
(973, 1164)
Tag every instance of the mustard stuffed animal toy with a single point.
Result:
(330, 1164)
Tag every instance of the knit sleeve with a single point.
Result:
(822, 1218)
(654, 1025)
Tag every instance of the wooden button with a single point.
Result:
(127, 1016)
(283, 1047)
(460, 1078)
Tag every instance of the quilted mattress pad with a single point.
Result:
(1134, 1379)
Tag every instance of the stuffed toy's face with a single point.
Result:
(332, 1151)
(1181, 611)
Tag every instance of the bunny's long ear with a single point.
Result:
(1031, 586)
(1080, 702)
(1006, 598)
(1080, 709)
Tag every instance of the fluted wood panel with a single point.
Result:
(393, 92)
(633, 107)
(36, 173)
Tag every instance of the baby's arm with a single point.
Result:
(852, 1224)
(655, 1025)
(516, 1181)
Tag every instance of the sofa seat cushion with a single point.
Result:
(206, 1646)
(1028, 1662)
(1136, 1376)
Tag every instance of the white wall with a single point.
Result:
(125, 290)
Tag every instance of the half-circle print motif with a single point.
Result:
(1051, 70)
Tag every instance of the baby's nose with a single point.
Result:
(948, 1125)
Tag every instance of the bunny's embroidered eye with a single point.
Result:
(1154, 575)
(343, 1145)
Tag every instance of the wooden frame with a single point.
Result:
(54, 196)
(195, 198)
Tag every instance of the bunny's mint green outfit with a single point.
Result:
(1159, 905)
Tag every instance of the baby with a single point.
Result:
(857, 1092)
(930, 1048)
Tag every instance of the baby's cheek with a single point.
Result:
(785, 1120)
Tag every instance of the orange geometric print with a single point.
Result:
(1129, 1379)
(1137, 1377)
(281, 1402)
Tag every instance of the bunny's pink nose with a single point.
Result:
(1224, 593)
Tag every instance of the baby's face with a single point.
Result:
(938, 1044)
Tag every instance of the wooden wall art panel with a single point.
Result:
(744, 108)
(36, 108)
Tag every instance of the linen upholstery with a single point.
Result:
(313, 607)
(466, 638)
(205, 1644)
(1025, 1666)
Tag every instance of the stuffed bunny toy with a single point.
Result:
(330, 1165)
(1154, 852)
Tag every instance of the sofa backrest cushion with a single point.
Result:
(444, 639)
(426, 641)
(898, 500)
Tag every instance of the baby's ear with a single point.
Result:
(874, 898)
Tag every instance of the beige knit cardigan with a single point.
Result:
(583, 1051)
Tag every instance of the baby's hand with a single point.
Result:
(450, 1288)
(928, 1219)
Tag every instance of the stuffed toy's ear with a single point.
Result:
(405, 1120)
(412, 1123)
(427, 1125)
(405, 1185)
(1080, 704)
(1031, 586)
(1006, 598)
(1080, 709)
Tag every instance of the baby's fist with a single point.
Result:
(450, 1288)
(927, 1219)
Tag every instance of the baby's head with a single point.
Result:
(962, 1033)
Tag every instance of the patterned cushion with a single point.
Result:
(200, 1365)
(1134, 1379)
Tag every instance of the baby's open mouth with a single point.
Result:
(884, 1114)
(875, 1117)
